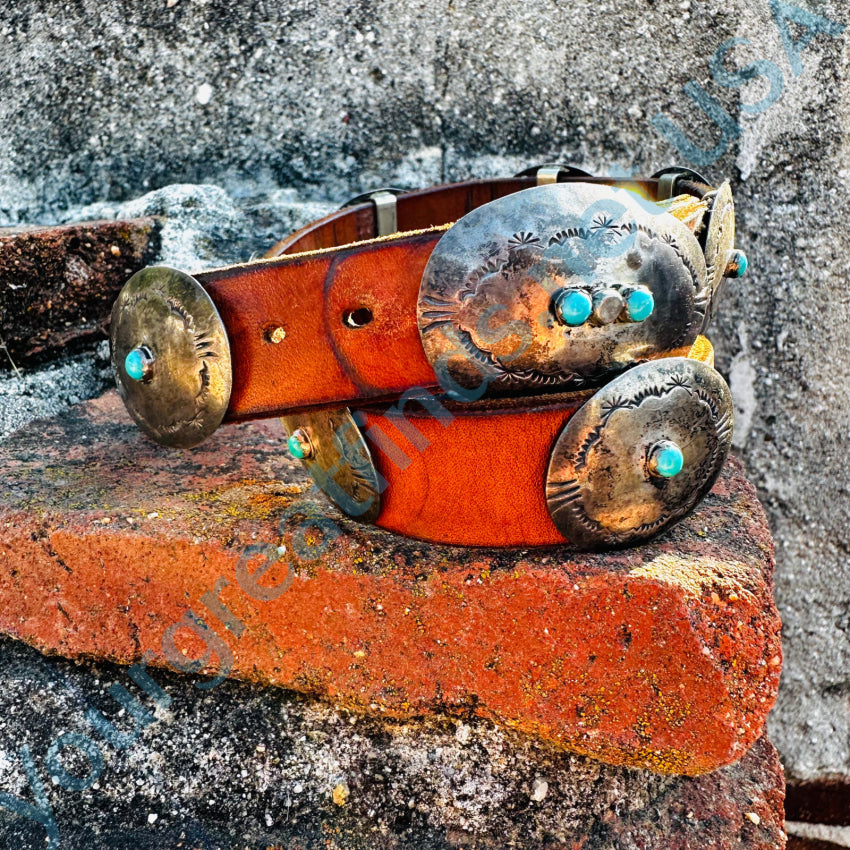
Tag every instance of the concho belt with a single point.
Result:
(509, 362)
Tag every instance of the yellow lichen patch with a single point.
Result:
(265, 504)
(664, 761)
(248, 499)
(591, 708)
(668, 706)
(341, 793)
(642, 728)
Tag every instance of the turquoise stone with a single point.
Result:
(738, 264)
(575, 307)
(296, 447)
(668, 459)
(640, 304)
(135, 364)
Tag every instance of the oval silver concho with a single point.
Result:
(184, 393)
(485, 308)
(338, 459)
(719, 242)
(600, 488)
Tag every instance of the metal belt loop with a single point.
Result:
(386, 213)
(552, 172)
(386, 208)
(667, 185)
(669, 177)
(548, 174)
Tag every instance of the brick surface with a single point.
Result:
(665, 656)
(57, 284)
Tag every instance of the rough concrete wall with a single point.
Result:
(245, 768)
(105, 101)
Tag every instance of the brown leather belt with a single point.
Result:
(475, 384)
(324, 361)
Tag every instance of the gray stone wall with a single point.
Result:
(106, 101)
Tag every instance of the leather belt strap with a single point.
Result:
(476, 480)
(321, 361)
(425, 208)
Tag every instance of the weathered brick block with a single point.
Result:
(665, 656)
(57, 284)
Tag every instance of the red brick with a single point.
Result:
(59, 283)
(665, 656)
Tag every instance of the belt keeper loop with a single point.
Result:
(548, 174)
(553, 172)
(667, 185)
(386, 213)
(386, 208)
(668, 178)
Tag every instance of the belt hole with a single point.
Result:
(274, 334)
(358, 318)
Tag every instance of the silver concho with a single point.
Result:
(719, 242)
(339, 461)
(485, 308)
(184, 393)
(602, 486)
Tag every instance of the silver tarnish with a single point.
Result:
(602, 489)
(486, 307)
(339, 460)
(168, 317)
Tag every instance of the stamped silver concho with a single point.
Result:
(604, 487)
(488, 302)
(333, 451)
(719, 244)
(165, 325)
